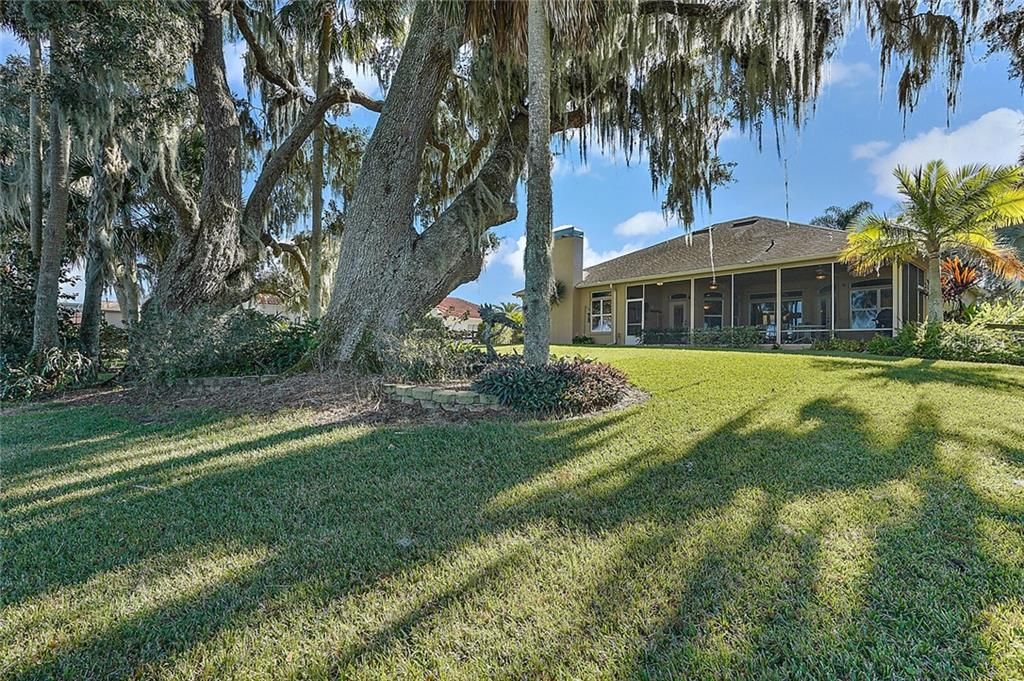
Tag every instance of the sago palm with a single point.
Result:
(944, 211)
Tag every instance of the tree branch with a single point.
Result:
(485, 202)
(171, 188)
(263, 66)
(279, 247)
(339, 93)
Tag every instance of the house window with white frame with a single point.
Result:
(601, 312)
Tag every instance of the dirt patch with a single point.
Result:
(334, 397)
(338, 397)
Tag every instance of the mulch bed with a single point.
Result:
(338, 396)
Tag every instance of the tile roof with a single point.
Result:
(737, 243)
(457, 307)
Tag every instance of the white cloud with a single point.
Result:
(843, 73)
(363, 78)
(509, 253)
(870, 149)
(994, 138)
(645, 223)
(560, 167)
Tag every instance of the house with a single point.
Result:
(458, 315)
(110, 310)
(272, 304)
(784, 278)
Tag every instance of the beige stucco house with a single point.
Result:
(784, 278)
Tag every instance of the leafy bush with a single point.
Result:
(18, 273)
(952, 340)
(203, 343)
(582, 340)
(841, 344)
(563, 386)
(55, 370)
(730, 336)
(1005, 310)
(432, 355)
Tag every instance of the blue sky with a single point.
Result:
(845, 153)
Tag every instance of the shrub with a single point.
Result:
(54, 371)
(730, 336)
(204, 343)
(841, 344)
(1008, 309)
(952, 340)
(563, 386)
(18, 273)
(434, 355)
(582, 340)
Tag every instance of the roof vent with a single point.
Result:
(744, 223)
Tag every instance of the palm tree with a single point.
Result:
(944, 211)
(537, 297)
(837, 217)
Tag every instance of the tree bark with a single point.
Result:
(35, 150)
(125, 276)
(935, 307)
(103, 204)
(220, 241)
(45, 323)
(537, 265)
(379, 255)
(317, 176)
(209, 256)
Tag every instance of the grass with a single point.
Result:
(762, 515)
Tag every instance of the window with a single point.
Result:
(871, 307)
(762, 313)
(601, 312)
(712, 310)
(792, 313)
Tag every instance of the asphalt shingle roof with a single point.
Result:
(737, 243)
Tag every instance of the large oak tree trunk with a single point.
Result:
(211, 261)
(378, 254)
(220, 241)
(35, 150)
(388, 273)
(45, 326)
(537, 264)
(317, 175)
(107, 175)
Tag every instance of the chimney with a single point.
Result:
(567, 269)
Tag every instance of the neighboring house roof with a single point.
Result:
(110, 306)
(457, 307)
(737, 243)
(268, 299)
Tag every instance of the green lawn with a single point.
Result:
(780, 515)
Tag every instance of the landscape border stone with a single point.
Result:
(447, 399)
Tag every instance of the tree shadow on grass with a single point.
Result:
(927, 371)
(718, 555)
(345, 507)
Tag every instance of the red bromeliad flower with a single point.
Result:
(957, 277)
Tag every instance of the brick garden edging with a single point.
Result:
(431, 397)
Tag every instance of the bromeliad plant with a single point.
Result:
(957, 279)
(943, 211)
